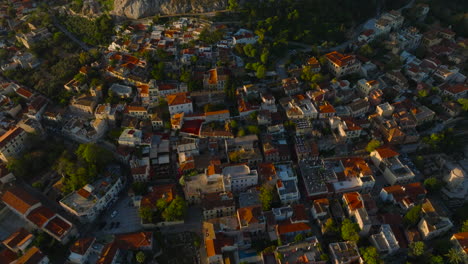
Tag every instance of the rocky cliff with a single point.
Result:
(141, 8)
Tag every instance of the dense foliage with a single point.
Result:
(94, 32)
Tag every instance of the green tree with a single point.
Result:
(264, 56)
(176, 210)
(416, 249)
(433, 184)
(94, 155)
(464, 103)
(299, 238)
(139, 188)
(261, 72)
(464, 227)
(349, 230)
(330, 226)
(411, 218)
(140, 257)
(266, 196)
(436, 259)
(366, 51)
(146, 214)
(372, 145)
(250, 50)
(233, 5)
(370, 255)
(161, 204)
(253, 129)
(454, 256)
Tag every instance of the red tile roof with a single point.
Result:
(24, 93)
(7, 256)
(167, 191)
(10, 135)
(177, 99)
(108, 253)
(82, 245)
(18, 238)
(58, 226)
(462, 239)
(19, 199)
(386, 152)
(288, 227)
(135, 241)
(340, 59)
(353, 200)
(40, 215)
(32, 256)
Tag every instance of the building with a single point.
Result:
(88, 202)
(365, 86)
(286, 184)
(341, 65)
(179, 102)
(405, 196)
(315, 178)
(81, 249)
(215, 205)
(344, 252)
(19, 241)
(308, 251)
(215, 79)
(455, 192)
(33, 255)
(121, 91)
(12, 143)
(130, 137)
(460, 243)
(393, 170)
(385, 241)
(433, 226)
(239, 177)
(251, 219)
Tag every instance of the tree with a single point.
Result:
(330, 226)
(266, 196)
(139, 188)
(433, 184)
(233, 4)
(416, 249)
(464, 103)
(464, 227)
(176, 210)
(264, 56)
(436, 259)
(146, 214)
(140, 257)
(250, 50)
(261, 72)
(411, 218)
(299, 238)
(94, 154)
(161, 204)
(454, 257)
(366, 51)
(349, 230)
(372, 145)
(370, 255)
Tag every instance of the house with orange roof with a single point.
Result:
(20, 201)
(81, 249)
(136, 241)
(286, 231)
(340, 64)
(215, 78)
(308, 251)
(394, 171)
(110, 253)
(19, 240)
(8, 256)
(320, 209)
(460, 243)
(326, 110)
(221, 249)
(179, 102)
(251, 219)
(12, 143)
(456, 91)
(33, 255)
(405, 196)
(166, 192)
(136, 111)
(216, 205)
(365, 86)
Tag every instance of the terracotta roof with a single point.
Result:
(82, 245)
(249, 215)
(135, 241)
(353, 200)
(7, 256)
(131, 108)
(340, 59)
(214, 246)
(355, 166)
(58, 226)
(288, 227)
(462, 239)
(23, 92)
(10, 135)
(299, 213)
(217, 112)
(108, 253)
(19, 199)
(167, 191)
(40, 215)
(177, 99)
(458, 88)
(18, 238)
(32, 256)
(84, 193)
(386, 152)
(328, 108)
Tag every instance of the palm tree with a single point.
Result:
(454, 256)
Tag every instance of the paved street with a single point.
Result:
(127, 215)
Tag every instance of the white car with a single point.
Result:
(114, 214)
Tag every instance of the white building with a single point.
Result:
(179, 102)
(12, 143)
(287, 183)
(385, 240)
(239, 177)
(81, 249)
(366, 86)
(88, 202)
(130, 137)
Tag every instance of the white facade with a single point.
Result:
(239, 177)
(385, 240)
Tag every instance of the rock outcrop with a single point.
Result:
(141, 8)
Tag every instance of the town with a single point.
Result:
(234, 136)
